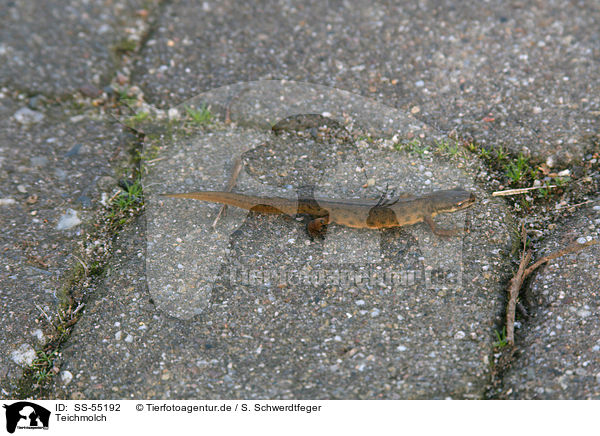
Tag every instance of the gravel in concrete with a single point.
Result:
(514, 74)
(58, 47)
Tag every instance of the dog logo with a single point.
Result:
(26, 415)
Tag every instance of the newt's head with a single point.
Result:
(451, 200)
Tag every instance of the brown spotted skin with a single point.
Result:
(359, 214)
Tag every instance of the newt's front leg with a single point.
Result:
(439, 231)
(317, 227)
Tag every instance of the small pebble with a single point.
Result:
(66, 377)
(7, 201)
(121, 79)
(459, 335)
(68, 220)
(173, 114)
(35, 102)
(90, 91)
(28, 116)
(24, 355)
(39, 334)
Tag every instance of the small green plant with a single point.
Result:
(501, 336)
(125, 46)
(485, 153)
(150, 152)
(124, 97)
(501, 154)
(200, 116)
(42, 366)
(544, 192)
(131, 194)
(137, 118)
(561, 181)
(471, 146)
(557, 182)
(42, 375)
(518, 169)
(513, 173)
(524, 203)
(453, 149)
(414, 146)
(366, 138)
(447, 147)
(96, 268)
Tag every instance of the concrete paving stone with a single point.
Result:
(48, 170)
(559, 355)
(520, 75)
(56, 47)
(250, 339)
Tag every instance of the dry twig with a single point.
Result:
(516, 282)
(519, 190)
(569, 206)
(45, 315)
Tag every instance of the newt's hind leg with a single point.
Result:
(317, 228)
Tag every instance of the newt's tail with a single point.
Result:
(271, 205)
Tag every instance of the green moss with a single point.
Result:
(414, 146)
(201, 116)
(137, 119)
(447, 147)
(124, 46)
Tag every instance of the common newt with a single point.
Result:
(355, 213)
